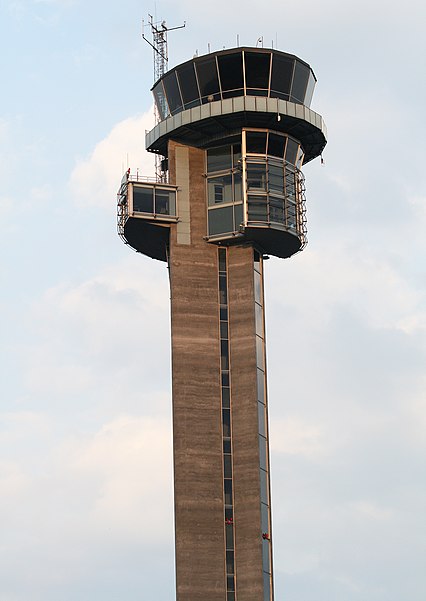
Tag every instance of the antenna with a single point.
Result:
(161, 60)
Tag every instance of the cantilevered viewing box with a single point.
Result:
(235, 130)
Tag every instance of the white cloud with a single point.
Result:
(295, 436)
(95, 180)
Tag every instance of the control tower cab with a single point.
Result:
(248, 110)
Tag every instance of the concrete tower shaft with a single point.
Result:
(236, 129)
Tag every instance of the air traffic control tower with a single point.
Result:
(235, 130)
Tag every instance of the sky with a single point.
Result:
(85, 401)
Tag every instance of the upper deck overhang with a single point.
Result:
(216, 120)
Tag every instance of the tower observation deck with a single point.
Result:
(235, 130)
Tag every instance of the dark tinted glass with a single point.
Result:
(229, 562)
(224, 314)
(223, 329)
(259, 353)
(207, 78)
(143, 199)
(222, 259)
(225, 378)
(256, 177)
(266, 556)
(256, 142)
(230, 583)
(264, 515)
(226, 422)
(276, 145)
(163, 205)
(300, 81)
(227, 466)
(260, 386)
(223, 296)
(172, 92)
(310, 89)
(282, 74)
(224, 353)
(225, 398)
(263, 486)
(291, 151)
(259, 319)
(219, 159)
(188, 83)
(262, 452)
(266, 587)
(257, 69)
(261, 415)
(220, 221)
(257, 287)
(257, 208)
(236, 152)
(229, 512)
(230, 596)
(231, 71)
(228, 494)
(227, 446)
(238, 215)
(160, 100)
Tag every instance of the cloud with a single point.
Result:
(95, 180)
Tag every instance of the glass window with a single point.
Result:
(300, 81)
(282, 74)
(227, 446)
(231, 71)
(263, 452)
(230, 596)
(276, 178)
(236, 153)
(257, 70)
(259, 353)
(143, 199)
(160, 100)
(260, 386)
(219, 159)
(188, 85)
(257, 287)
(276, 210)
(223, 296)
(259, 319)
(262, 418)
(257, 265)
(223, 329)
(207, 78)
(291, 151)
(228, 495)
(276, 145)
(256, 142)
(266, 556)
(230, 545)
(229, 512)
(165, 202)
(222, 259)
(264, 516)
(257, 208)
(220, 221)
(172, 92)
(224, 353)
(229, 562)
(238, 187)
(230, 583)
(225, 397)
(219, 189)
(227, 466)
(264, 486)
(310, 89)
(225, 378)
(256, 176)
(238, 215)
(226, 422)
(223, 311)
(266, 587)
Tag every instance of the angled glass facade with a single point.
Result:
(232, 73)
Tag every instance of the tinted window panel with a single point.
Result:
(143, 199)
(220, 221)
(256, 142)
(224, 353)
(300, 81)
(238, 215)
(259, 353)
(238, 187)
(226, 422)
(257, 69)
(276, 145)
(282, 74)
(219, 159)
(227, 446)
(262, 452)
(229, 562)
(262, 419)
(263, 486)
(310, 90)
(160, 100)
(291, 151)
(266, 556)
(164, 202)
(207, 78)
(230, 545)
(266, 587)
(188, 83)
(256, 177)
(260, 386)
(220, 189)
(228, 493)
(225, 398)
(264, 513)
(259, 319)
(172, 92)
(227, 466)
(231, 71)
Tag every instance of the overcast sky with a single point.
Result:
(85, 401)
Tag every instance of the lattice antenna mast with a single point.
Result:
(161, 61)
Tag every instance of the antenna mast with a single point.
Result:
(161, 61)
